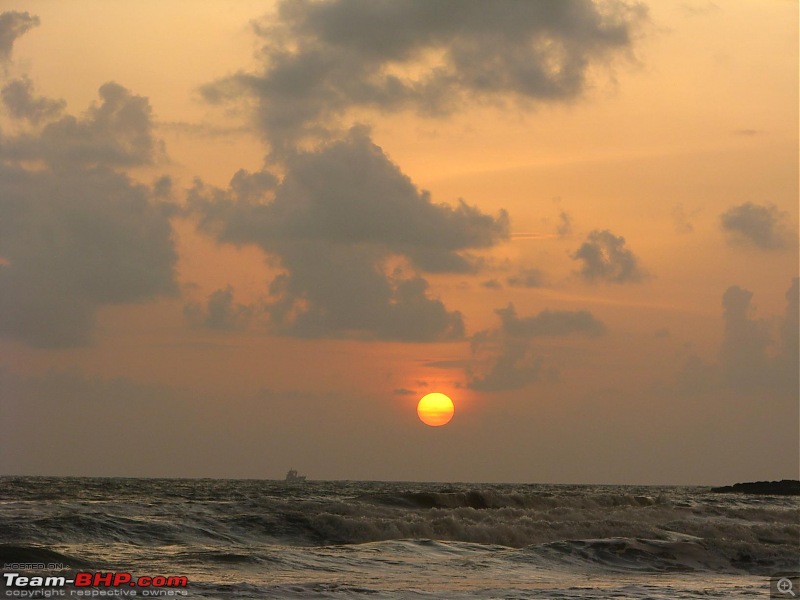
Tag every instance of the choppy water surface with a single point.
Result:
(267, 539)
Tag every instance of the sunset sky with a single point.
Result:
(239, 237)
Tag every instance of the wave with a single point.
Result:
(11, 553)
(231, 522)
(626, 554)
(492, 500)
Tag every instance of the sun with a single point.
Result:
(435, 409)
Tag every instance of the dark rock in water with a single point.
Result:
(785, 487)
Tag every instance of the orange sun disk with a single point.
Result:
(435, 409)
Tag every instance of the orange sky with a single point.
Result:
(299, 325)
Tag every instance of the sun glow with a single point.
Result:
(435, 409)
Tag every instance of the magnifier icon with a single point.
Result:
(785, 586)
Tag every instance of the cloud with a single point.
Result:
(334, 220)
(73, 241)
(748, 132)
(788, 359)
(446, 364)
(514, 368)
(510, 361)
(549, 323)
(117, 132)
(762, 226)
(76, 235)
(323, 59)
(343, 214)
(750, 356)
(744, 349)
(605, 258)
(220, 312)
(492, 284)
(404, 392)
(350, 193)
(753, 356)
(681, 220)
(564, 228)
(21, 102)
(202, 129)
(12, 25)
(527, 278)
(699, 8)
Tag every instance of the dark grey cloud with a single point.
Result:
(220, 312)
(116, 132)
(550, 323)
(492, 284)
(12, 25)
(763, 226)
(21, 102)
(606, 258)
(76, 235)
(325, 58)
(505, 358)
(334, 219)
(527, 278)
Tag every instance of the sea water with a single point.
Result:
(360, 539)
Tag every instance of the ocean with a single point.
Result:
(392, 540)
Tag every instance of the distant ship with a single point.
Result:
(293, 477)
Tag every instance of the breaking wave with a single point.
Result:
(242, 523)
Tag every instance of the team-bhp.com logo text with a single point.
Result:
(94, 585)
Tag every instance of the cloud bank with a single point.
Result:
(343, 214)
(75, 234)
(335, 221)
